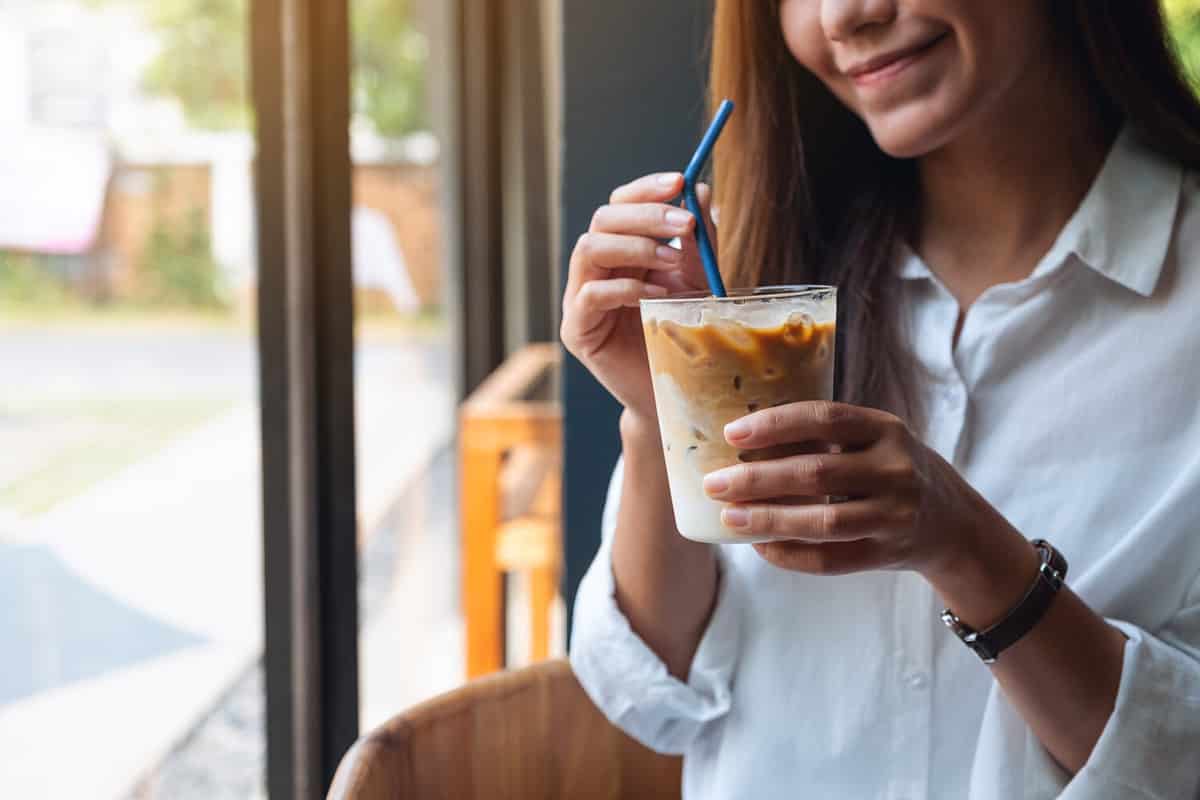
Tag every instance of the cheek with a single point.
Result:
(998, 46)
(997, 42)
(800, 21)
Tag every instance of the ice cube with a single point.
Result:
(680, 339)
(734, 334)
(798, 327)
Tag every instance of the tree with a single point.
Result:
(203, 61)
(390, 57)
(1183, 17)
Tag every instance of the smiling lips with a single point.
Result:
(881, 68)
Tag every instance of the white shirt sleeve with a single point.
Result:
(623, 676)
(1150, 748)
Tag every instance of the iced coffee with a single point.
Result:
(716, 360)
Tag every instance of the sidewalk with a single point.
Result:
(169, 550)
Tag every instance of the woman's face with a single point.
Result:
(918, 72)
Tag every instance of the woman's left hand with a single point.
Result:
(906, 508)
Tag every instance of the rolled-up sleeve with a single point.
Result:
(624, 677)
(1150, 747)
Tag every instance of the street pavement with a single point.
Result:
(129, 609)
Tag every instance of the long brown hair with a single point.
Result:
(806, 196)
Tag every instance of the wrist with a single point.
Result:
(990, 570)
(639, 432)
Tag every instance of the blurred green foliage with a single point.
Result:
(177, 268)
(204, 61)
(390, 58)
(1183, 17)
(29, 281)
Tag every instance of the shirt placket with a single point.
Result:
(914, 609)
(948, 399)
(912, 688)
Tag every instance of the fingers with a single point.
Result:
(821, 421)
(837, 558)
(856, 474)
(599, 297)
(656, 188)
(674, 281)
(644, 219)
(627, 234)
(587, 314)
(815, 522)
(591, 310)
(607, 251)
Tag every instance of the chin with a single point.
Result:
(910, 132)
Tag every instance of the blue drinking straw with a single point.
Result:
(690, 176)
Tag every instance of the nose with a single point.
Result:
(843, 19)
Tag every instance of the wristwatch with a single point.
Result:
(1020, 620)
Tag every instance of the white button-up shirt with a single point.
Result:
(1070, 402)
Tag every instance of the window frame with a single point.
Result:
(300, 74)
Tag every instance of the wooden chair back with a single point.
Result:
(530, 734)
(512, 420)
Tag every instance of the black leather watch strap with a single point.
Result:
(1024, 615)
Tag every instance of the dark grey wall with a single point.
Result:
(633, 103)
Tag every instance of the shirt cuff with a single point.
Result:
(1148, 748)
(631, 685)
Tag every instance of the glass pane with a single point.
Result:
(415, 462)
(410, 647)
(130, 544)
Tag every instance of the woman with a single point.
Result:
(1002, 193)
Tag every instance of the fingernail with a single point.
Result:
(668, 254)
(737, 430)
(654, 290)
(716, 484)
(668, 179)
(678, 218)
(735, 518)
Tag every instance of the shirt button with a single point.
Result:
(917, 681)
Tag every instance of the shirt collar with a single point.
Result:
(1124, 226)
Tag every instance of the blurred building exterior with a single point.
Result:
(98, 171)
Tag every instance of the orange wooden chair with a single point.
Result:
(530, 734)
(510, 443)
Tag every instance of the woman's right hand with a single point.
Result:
(665, 584)
(619, 261)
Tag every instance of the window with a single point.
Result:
(404, 382)
(130, 523)
(174, 410)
